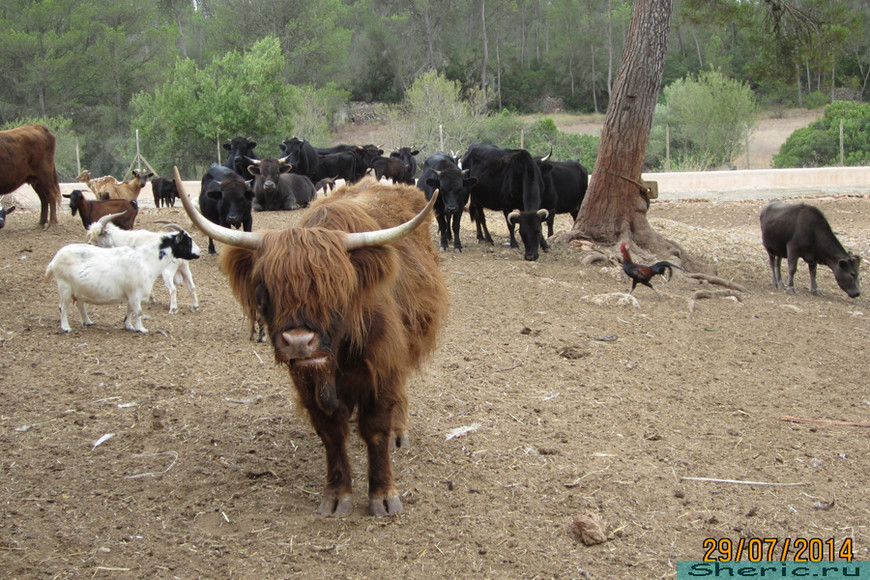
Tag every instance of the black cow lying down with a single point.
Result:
(795, 231)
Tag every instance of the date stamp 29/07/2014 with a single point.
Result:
(776, 549)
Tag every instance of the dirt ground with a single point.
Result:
(551, 396)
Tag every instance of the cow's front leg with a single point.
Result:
(511, 227)
(375, 428)
(337, 500)
(814, 287)
(457, 245)
(776, 270)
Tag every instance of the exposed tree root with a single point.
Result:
(718, 281)
(700, 294)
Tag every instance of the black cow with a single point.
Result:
(225, 199)
(241, 149)
(341, 165)
(341, 148)
(348, 162)
(301, 155)
(390, 167)
(276, 189)
(511, 181)
(408, 158)
(795, 231)
(365, 158)
(164, 191)
(441, 172)
(567, 182)
(3, 214)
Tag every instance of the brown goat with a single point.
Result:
(352, 312)
(127, 190)
(95, 183)
(92, 210)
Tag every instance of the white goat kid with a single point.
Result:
(106, 234)
(87, 274)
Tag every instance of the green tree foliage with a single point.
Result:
(434, 105)
(543, 136)
(85, 59)
(239, 94)
(82, 59)
(708, 115)
(819, 144)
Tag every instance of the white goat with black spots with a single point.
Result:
(88, 274)
(106, 234)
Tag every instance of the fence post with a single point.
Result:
(842, 153)
(668, 148)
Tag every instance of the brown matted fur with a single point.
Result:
(376, 310)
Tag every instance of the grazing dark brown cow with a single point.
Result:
(352, 300)
(27, 156)
(793, 231)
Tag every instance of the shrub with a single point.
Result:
(708, 115)
(818, 145)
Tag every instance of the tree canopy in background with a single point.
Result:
(239, 94)
(100, 63)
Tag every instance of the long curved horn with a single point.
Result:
(109, 217)
(254, 161)
(357, 240)
(239, 239)
(548, 155)
(283, 160)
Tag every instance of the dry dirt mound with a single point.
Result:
(545, 402)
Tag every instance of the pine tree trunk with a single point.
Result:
(614, 208)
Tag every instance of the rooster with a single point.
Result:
(641, 274)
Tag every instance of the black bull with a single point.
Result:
(511, 181)
(441, 172)
(275, 189)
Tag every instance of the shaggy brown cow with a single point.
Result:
(27, 156)
(352, 312)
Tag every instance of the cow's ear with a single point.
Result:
(855, 259)
(227, 146)
(285, 168)
(374, 265)
(415, 152)
(254, 169)
(11, 209)
(251, 145)
(215, 195)
(469, 181)
(433, 181)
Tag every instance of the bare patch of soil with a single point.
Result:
(546, 404)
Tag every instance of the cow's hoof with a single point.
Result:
(401, 441)
(381, 507)
(336, 508)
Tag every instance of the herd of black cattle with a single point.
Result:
(530, 191)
